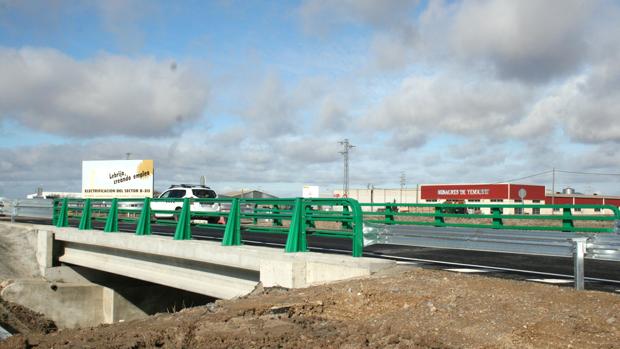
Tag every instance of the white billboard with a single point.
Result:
(310, 191)
(117, 179)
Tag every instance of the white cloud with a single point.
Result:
(46, 90)
(445, 104)
(528, 39)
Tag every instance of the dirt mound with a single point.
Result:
(17, 319)
(417, 308)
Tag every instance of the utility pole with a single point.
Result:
(345, 152)
(403, 182)
(128, 156)
(553, 188)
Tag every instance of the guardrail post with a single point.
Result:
(255, 211)
(111, 224)
(276, 222)
(389, 215)
(232, 232)
(296, 240)
(183, 231)
(439, 220)
(346, 224)
(358, 229)
(144, 224)
(567, 220)
(55, 211)
(579, 251)
(14, 211)
(86, 222)
(496, 213)
(63, 219)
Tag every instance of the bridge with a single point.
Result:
(267, 241)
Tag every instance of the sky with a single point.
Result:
(257, 94)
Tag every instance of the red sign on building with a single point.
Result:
(481, 192)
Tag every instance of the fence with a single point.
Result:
(295, 218)
(461, 216)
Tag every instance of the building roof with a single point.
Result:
(249, 194)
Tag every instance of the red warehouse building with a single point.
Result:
(509, 193)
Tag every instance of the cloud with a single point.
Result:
(529, 39)
(48, 91)
(445, 104)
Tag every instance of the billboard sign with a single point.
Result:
(117, 179)
(310, 191)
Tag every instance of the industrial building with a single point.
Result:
(487, 193)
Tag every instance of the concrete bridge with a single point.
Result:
(204, 267)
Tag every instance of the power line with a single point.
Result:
(589, 173)
(526, 177)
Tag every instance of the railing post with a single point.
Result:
(496, 213)
(579, 250)
(439, 220)
(14, 211)
(254, 211)
(296, 240)
(389, 215)
(276, 222)
(358, 229)
(346, 224)
(567, 220)
(183, 230)
(232, 232)
(111, 224)
(55, 211)
(144, 224)
(308, 215)
(63, 219)
(86, 222)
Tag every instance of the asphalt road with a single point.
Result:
(519, 266)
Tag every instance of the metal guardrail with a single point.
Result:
(30, 208)
(466, 227)
(603, 246)
(471, 215)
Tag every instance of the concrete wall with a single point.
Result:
(18, 245)
(71, 305)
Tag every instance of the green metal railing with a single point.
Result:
(472, 216)
(295, 218)
(340, 218)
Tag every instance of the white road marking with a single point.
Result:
(471, 270)
(552, 281)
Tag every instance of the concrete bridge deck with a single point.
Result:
(203, 267)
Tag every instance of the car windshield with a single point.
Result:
(204, 193)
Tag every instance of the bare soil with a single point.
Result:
(402, 308)
(17, 319)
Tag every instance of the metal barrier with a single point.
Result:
(296, 218)
(471, 214)
(31, 208)
(467, 232)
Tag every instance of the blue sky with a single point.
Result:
(257, 94)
